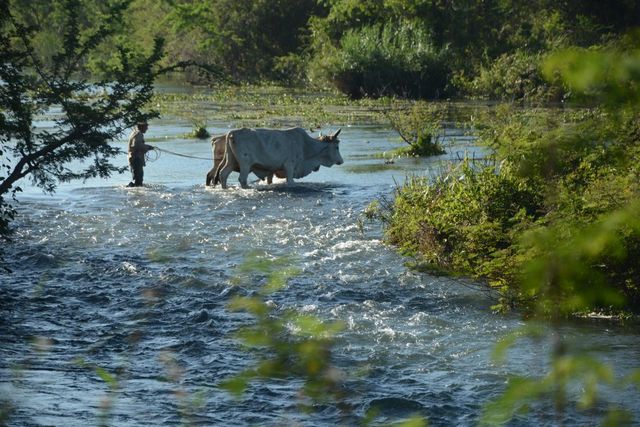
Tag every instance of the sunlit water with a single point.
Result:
(98, 263)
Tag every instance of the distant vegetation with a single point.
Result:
(364, 48)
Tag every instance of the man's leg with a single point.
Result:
(133, 175)
(137, 171)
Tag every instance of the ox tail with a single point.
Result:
(225, 160)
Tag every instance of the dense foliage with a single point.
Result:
(555, 208)
(406, 48)
(381, 60)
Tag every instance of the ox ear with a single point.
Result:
(335, 135)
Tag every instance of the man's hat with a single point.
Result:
(142, 123)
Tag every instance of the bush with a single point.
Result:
(289, 69)
(514, 76)
(462, 221)
(391, 60)
(421, 127)
(565, 178)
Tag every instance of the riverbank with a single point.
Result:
(549, 221)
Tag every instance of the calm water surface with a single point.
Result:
(97, 264)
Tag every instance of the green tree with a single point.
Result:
(590, 261)
(246, 39)
(90, 114)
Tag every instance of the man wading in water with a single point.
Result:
(137, 150)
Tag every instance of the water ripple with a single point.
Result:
(137, 282)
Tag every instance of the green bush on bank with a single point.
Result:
(561, 174)
(390, 60)
(514, 76)
(465, 221)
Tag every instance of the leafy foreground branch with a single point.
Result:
(289, 345)
(553, 225)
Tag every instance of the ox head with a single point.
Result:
(333, 149)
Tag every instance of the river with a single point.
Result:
(98, 263)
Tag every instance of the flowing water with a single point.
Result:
(98, 264)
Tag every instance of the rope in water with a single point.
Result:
(177, 154)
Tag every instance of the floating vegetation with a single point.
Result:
(272, 106)
(199, 130)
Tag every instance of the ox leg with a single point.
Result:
(216, 175)
(211, 175)
(224, 174)
(224, 170)
(226, 166)
(270, 179)
(289, 171)
(244, 176)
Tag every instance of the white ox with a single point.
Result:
(289, 153)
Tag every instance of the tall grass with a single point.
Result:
(391, 60)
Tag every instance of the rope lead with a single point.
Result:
(175, 154)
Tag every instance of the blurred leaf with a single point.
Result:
(254, 336)
(235, 385)
(415, 421)
(618, 418)
(106, 377)
(610, 74)
(278, 270)
(251, 305)
(506, 342)
(311, 326)
(278, 279)
(519, 392)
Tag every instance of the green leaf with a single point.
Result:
(235, 385)
(415, 421)
(106, 377)
(506, 342)
(519, 392)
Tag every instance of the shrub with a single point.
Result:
(397, 60)
(421, 127)
(560, 173)
(515, 76)
(462, 221)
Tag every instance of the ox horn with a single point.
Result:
(337, 133)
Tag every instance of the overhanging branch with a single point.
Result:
(207, 68)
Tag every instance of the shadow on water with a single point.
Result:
(303, 189)
(374, 167)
